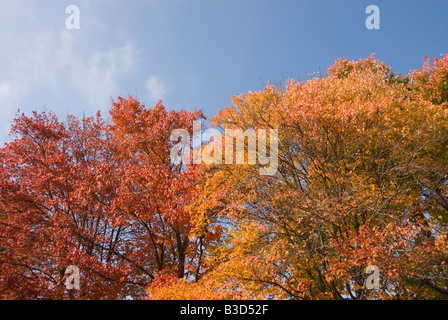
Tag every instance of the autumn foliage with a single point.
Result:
(103, 197)
(361, 180)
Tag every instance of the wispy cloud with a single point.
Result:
(155, 89)
(97, 76)
(50, 63)
(10, 94)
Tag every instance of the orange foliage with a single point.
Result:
(362, 180)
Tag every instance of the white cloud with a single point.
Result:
(30, 62)
(10, 93)
(43, 63)
(97, 76)
(57, 62)
(155, 89)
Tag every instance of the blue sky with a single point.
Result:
(193, 53)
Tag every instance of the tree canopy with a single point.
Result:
(361, 181)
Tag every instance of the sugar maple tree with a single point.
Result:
(361, 181)
(155, 194)
(104, 197)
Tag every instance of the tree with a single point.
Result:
(104, 197)
(361, 181)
